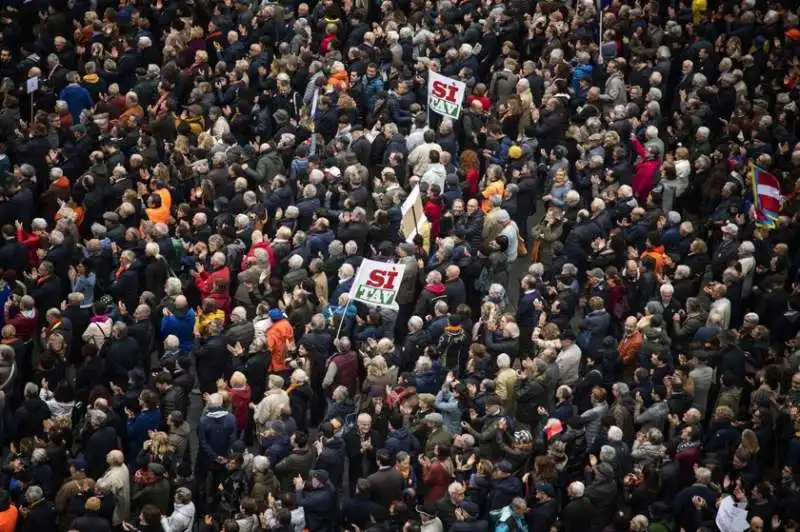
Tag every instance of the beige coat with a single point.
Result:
(269, 409)
(504, 386)
(117, 480)
(97, 332)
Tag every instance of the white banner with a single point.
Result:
(445, 95)
(377, 283)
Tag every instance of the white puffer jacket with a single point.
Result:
(181, 520)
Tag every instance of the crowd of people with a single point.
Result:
(596, 328)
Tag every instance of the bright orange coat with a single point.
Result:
(279, 336)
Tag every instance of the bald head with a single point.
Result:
(180, 302)
(453, 272)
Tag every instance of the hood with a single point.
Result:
(183, 431)
(435, 288)
(335, 444)
(216, 413)
(401, 434)
(186, 510)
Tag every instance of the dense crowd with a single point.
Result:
(596, 328)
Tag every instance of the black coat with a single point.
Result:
(574, 514)
(14, 256)
(41, 516)
(125, 288)
(121, 357)
(213, 362)
(102, 441)
(90, 523)
(47, 293)
(29, 417)
(321, 507)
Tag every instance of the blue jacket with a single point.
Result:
(138, 429)
(216, 434)
(504, 490)
(500, 155)
(181, 326)
(77, 98)
(370, 89)
(402, 440)
(581, 71)
(319, 242)
(332, 459)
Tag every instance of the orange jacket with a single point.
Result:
(279, 336)
(658, 255)
(8, 519)
(629, 346)
(161, 214)
(492, 189)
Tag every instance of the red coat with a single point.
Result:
(434, 209)
(644, 173)
(325, 43)
(240, 400)
(205, 281)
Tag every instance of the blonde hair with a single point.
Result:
(377, 366)
(238, 380)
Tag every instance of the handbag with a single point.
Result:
(522, 249)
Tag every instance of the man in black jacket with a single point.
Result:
(13, 254)
(102, 440)
(122, 355)
(125, 280)
(213, 358)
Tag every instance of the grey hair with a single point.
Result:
(31, 390)
(34, 494)
(39, 456)
(576, 489)
(56, 237)
(260, 464)
(607, 454)
(503, 361)
(97, 417)
(173, 286)
(336, 247)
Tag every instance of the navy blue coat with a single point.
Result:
(216, 434)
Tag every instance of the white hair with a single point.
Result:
(295, 262)
(615, 434)
(576, 489)
(651, 132)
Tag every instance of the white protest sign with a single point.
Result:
(377, 283)
(445, 95)
(32, 85)
(731, 518)
(413, 215)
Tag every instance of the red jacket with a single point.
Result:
(645, 171)
(434, 209)
(273, 262)
(240, 400)
(32, 243)
(205, 281)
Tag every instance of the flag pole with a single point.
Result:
(600, 40)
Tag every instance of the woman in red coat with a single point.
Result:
(434, 209)
(437, 474)
(644, 170)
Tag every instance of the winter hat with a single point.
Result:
(515, 152)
